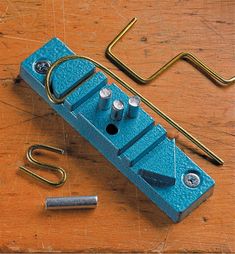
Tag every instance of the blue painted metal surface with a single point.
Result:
(140, 149)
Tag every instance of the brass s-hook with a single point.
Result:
(39, 164)
(181, 56)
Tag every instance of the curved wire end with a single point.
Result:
(35, 162)
(119, 36)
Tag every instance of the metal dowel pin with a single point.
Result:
(117, 110)
(79, 202)
(133, 106)
(105, 96)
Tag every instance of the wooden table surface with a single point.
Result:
(125, 220)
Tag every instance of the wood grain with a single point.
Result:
(125, 221)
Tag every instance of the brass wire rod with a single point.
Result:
(53, 99)
(39, 164)
(181, 56)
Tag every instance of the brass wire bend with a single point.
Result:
(181, 56)
(53, 99)
(44, 165)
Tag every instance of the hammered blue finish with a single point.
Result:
(140, 149)
(129, 130)
(82, 93)
(158, 166)
(80, 69)
(144, 145)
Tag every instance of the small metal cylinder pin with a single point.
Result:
(81, 202)
(105, 99)
(117, 110)
(133, 106)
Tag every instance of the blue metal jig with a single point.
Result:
(120, 129)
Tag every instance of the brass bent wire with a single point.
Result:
(181, 56)
(53, 99)
(44, 165)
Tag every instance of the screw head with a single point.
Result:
(192, 180)
(42, 66)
